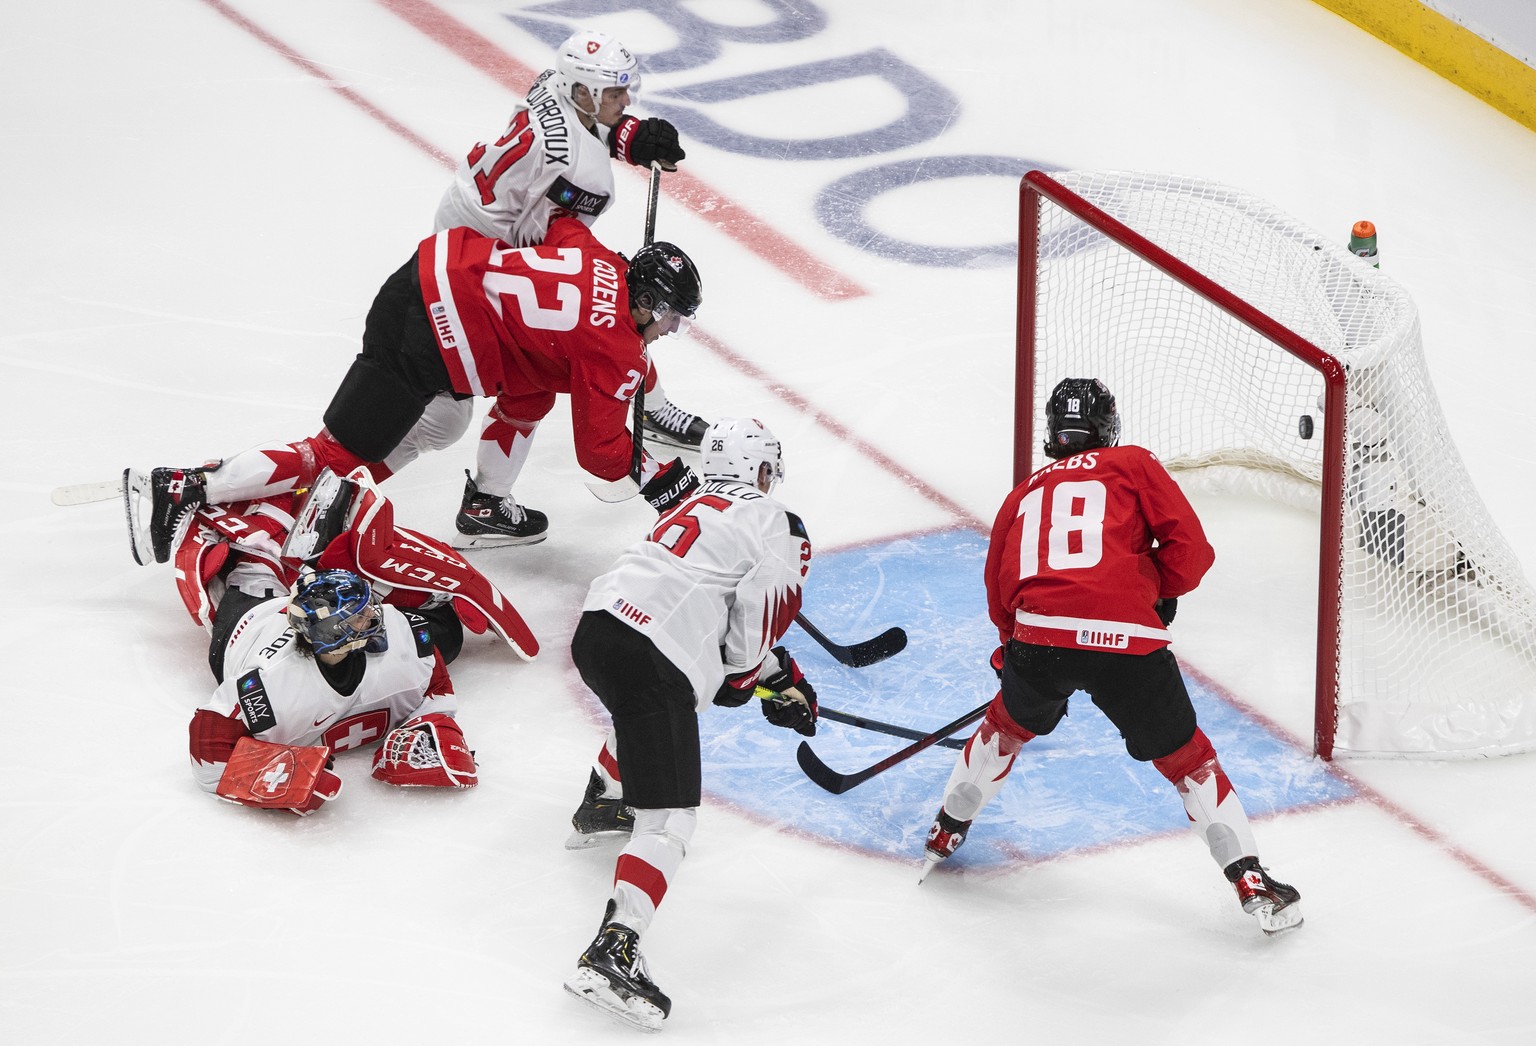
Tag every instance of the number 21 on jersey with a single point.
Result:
(1072, 523)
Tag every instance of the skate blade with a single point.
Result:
(587, 840)
(1274, 923)
(929, 864)
(593, 988)
(135, 489)
(464, 542)
(657, 437)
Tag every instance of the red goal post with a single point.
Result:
(1225, 328)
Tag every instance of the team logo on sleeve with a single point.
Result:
(255, 706)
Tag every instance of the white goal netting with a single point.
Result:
(1437, 623)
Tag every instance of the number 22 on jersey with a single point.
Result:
(1071, 523)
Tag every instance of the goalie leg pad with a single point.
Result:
(426, 752)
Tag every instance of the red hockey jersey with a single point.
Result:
(553, 318)
(1083, 549)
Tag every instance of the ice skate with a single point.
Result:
(674, 426)
(599, 818)
(172, 496)
(1274, 904)
(489, 521)
(944, 838)
(612, 976)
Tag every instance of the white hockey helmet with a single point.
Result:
(596, 61)
(737, 448)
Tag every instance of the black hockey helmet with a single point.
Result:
(334, 610)
(1079, 416)
(661, 278)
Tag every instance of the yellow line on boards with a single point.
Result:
(1455, 52)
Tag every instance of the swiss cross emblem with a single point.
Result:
(274, 777)
(593, 47)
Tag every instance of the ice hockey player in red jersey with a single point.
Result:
(1087, 560)
(690, 615)
(552, 159)
(469, 316)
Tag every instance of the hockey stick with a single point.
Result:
(86, 493)
(874, 725)
(837, 783)
(625, 488)
(887, 644)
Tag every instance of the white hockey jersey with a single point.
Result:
(546, 161)
(279, 694)
(715, 586)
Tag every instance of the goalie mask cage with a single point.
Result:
(1243, 347)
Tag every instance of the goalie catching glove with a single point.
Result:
(640, 142)
(296, 778)
(428, 751)
(792, 702)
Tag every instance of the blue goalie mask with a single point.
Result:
(335, 611)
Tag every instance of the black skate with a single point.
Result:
(611, 975)
(172, 496)
(488, 521)
(1273, 903)
(599, 818)
(674, 426)
(944, 838)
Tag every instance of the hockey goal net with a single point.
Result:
(1243, 346)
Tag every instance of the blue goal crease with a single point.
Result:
(1072, 791)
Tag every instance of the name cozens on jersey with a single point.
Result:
(1107, 640)
(627, 610)
(605, 293)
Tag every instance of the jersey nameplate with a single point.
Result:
(254, 704)
(575, 199)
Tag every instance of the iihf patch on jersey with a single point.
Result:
(254, 703)
(1097, 637)
(631, 613)
(575, 199)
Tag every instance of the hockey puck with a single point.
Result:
(1304, 426)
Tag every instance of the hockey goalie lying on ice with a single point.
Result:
(331, 629)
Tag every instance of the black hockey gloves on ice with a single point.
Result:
(671, 485)
(794, 704)
(641, 141)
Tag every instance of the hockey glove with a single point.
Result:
(997, 663)
(641, 141)
(793, 704)
(427, 751)
(736, 690)
(1166, 608)
(674, 482)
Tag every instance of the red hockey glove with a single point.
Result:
(296, 778)
(793, 704)
(1166, 608)
(997, 663)
(674, 482)
(427, 751)
(641, 141)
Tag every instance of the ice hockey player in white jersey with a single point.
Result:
(692, 614)
(553, 158)
(315, 670)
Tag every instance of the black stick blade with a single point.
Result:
(887, 644)
(822, 774)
